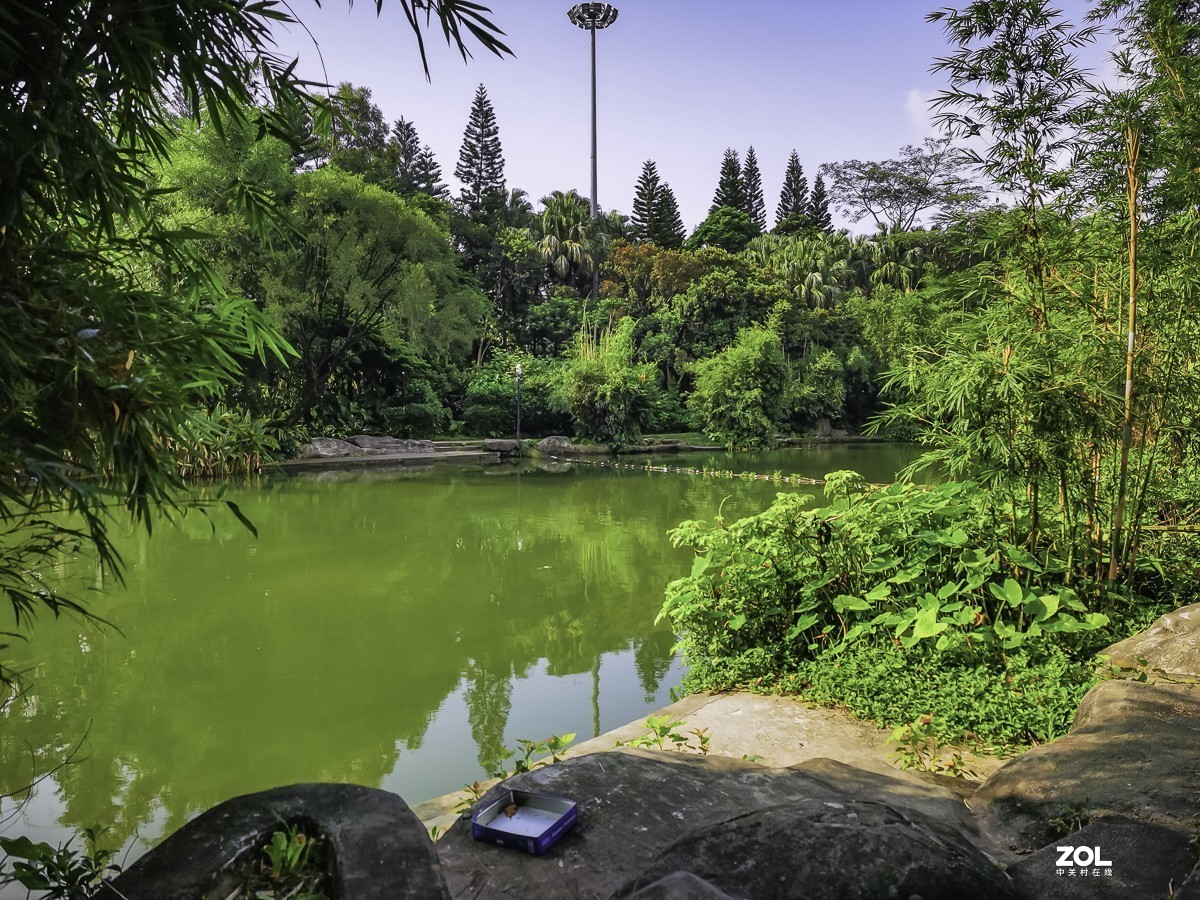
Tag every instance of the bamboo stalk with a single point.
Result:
(1133, 146)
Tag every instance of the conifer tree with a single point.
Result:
(794, 196)
(818, 207)
(427, 174)
(755, 207)
(731, 191)
(480, 161)
(413, 167)
(669, 230)
(646, 202)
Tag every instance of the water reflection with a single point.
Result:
(393, 629)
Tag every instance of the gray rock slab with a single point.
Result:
(1171, 645)
(380, 848)
(680, 886)
(1147, 861)
(815, 849)
(328, 448)
(634, 805)
(499, 445)
(554, 445)
(1134, 750)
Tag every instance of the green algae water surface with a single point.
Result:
(388, 627)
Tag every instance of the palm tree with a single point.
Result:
(570, 240)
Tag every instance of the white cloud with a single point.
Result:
(920, 118)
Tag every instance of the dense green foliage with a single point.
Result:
(1040, 352)
(739, 391)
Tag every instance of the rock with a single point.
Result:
(555, 445)
(328, 448)
(636, 807)
(1190, 889)
(1147, 860)
(680, 886)
(1134, 750)
(381, 445)
(381, 850)
(506, 448)
(369, 442)
(1171, 645)
(814, 849)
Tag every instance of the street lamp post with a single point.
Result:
(593, 17)
(518, 407)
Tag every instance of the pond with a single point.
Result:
(388, 627)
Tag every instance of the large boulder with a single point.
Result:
(555, 445)
(1144, 860)
(388, 444)
(501, 446)
(328, 448)
(381, 850)
(815, 849)
(1134, 751)
(1170, 646)
(650, 822)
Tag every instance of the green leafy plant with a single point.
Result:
(63, 872)
(552, 748)
(664, 734)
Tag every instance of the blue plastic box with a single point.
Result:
(524, 821)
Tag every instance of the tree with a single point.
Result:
(818, 207)
(646, 202)
(480, 161)
(726, 227)
(668, 230)
(412, 167)
(756, 209)
(895, 192)
(360, 135)
(731, 191)
(370, 268)
(112, 326)
(738, 398)
(610, 397)
(569, 239)
(793, 198)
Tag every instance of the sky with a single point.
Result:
(679, 81)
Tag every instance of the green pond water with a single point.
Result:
(389, 627)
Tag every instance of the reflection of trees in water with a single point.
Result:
(322, 648)
(488, 696)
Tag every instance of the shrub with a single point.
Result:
(610, 397)
(738, 395)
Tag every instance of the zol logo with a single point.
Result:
(1081, 856)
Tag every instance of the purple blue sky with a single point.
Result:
(679, 81)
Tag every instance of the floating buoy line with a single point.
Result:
(705, 472)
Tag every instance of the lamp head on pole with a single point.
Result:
(518, 370)
(592, 16)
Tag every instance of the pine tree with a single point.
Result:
(669, 230)
(755, 207)
(818, 207)
(646, 201)
(413, 167)
(428, 174)
(794, 196)
(480, 162)
(731, 191)
(403, 148)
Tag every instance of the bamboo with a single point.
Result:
(1133, 146)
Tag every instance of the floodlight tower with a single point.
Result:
(593, 17)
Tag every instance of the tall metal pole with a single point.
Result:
(593, 16)
(595, 200)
